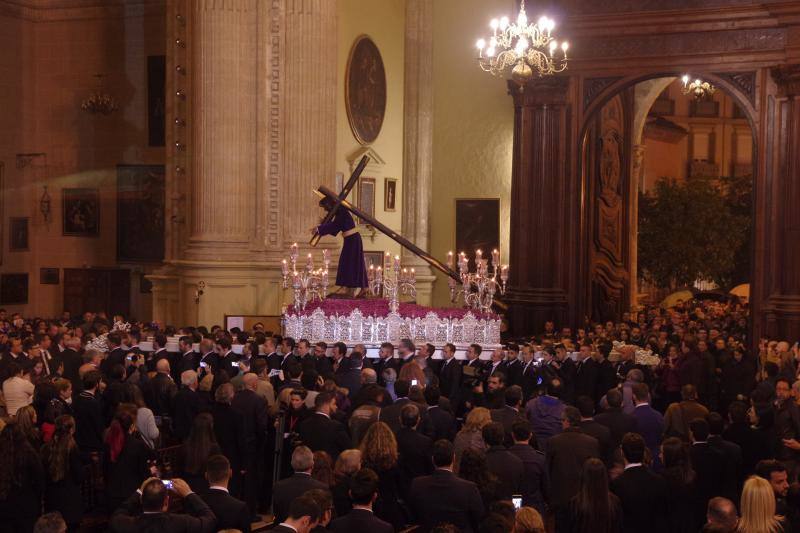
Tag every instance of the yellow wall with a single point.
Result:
(384, 22)
(473, 124)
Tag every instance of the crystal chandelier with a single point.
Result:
(478, 288)
(99, 101)
(698, 88)
(390, 281)
(526, 49)
(307, 284)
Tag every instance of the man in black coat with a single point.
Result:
(442, 420)
(618, 422)
(414, 448)
(450, 374)
(161, 389)
(150, 511)
(595, 429)
(230, 512)
(528, 374)
(72, 362)
(188, 359)
(385, 360)
(512, 366)
(253, 409)
(349, 376)
(534, 476)
(506, 466)
(587, 374)
(290, 488)
(229, 428)
(732, 453)
(462, 505)
(510, 412)
(363, 492)
(90, 423)
(185, 405)
(116, 354)
(320, 431)
(304, 515)
(642, 493)
(322, 362)
(565, 454)
(708, 462)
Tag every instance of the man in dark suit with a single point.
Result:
(506, 466)
(90, 423)
(304, 515)
(406, 351)
(185, 405)
(116, 354)
(732, 453)
(512, 366)
(322, 362)
(649, 422)
(150, 511)
(528, 375)
(385, 360)
(442, 420)
(229, 428)
(160, 352)
(350, 377)
(462, 506)
(188, 359)
(391, 414)
(641, 492)
(230, 512)
(430, 366)
(253, 409)
(534, 476)
(340, 362)
(286, 490)
(450, 374)
(363, 493)
(587, 373)
(565, 454)
(595, 429)
(510, 412)
(708, 462)
(320, 431)
(72, 362)
(617, 422)
(161, 389)
(414, 448)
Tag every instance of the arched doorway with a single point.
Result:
(611, 163)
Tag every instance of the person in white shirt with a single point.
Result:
(17, 389)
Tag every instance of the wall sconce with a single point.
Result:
(44, 205)
(198, 292)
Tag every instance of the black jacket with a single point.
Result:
(89, 422)
(565, 455)
(602, 434)
(643, 495)
(586, 378)
(534, 476)
(618, 424)
(462, 507)
(414, 450)
(508, 468)
(450, 379)
(443, 422)
(230, 433)
(185, 407)
(159, 392)
(360, 520)
(230, 512)
(286, 490)
(197, 518)
(319, 432)
(253, 409)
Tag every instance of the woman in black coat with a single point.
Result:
(64, 473)
(594, 509)
(684, 511)
(21, 482)
(128, 459)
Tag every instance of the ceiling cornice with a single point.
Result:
(55, 10)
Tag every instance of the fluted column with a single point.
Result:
(223, 128)
(418, 139)
(309, 111)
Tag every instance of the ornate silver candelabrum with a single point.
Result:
(309, 283)
(390, 281)
(478, 288)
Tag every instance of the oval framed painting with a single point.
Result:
(365, 90)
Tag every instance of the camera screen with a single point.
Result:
(517, 500)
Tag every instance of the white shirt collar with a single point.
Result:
(287, 525)
(218, 487)
(323, 414)
(632, 465)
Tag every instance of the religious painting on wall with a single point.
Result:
(373, 258)
(18, 238)
(81, 208)
(365, 90)
(156, 100)
(366, 197)
(140, 213)
(49, 276)
(13, 289)
(477, 226)
(389, 194)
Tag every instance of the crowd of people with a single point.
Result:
(662, 421)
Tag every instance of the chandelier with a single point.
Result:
(698, 88)
(99, 102)
(390, 281)
(309, 283)
(525, 49)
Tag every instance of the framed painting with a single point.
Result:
(49, 276)
(389, 194)
(140, 213)
(477, 226)
(81, 212)
(373, 258)
(13, 289)
(18, 234)
(365, 90)
(366, 197)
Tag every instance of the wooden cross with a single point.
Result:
(342, 196)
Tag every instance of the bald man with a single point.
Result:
(721, 515)
(161, 389)
(253, 409)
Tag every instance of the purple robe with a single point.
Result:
(352, 271)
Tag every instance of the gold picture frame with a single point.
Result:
(390, 195)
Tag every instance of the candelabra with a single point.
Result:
(478, 288)
(390, 281)
(309, 283)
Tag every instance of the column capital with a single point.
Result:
(787, 77)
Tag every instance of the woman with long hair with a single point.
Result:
(145, 420)
(684, 512)
(528, 520)
(379, 453)
(473, 467)
(37, 370)
(593, 509)
(198, 447)
(27, 421)
(128, 459)
(64, 473)
(758, 508)
(347, 464)
(323, 468)
(471, 435)
(21, 481)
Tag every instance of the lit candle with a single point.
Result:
(284, 268)
(478, 255)
(495, 258)
(450, 259)
(310, 263)
(413, 275)
(397, 262)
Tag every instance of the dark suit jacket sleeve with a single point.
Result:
(201, 517)
(130, 507)
(244, 519)
(476, 510)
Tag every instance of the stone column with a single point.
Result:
(418, 140)
(778, 265)
(545, 211)
(636, 185)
